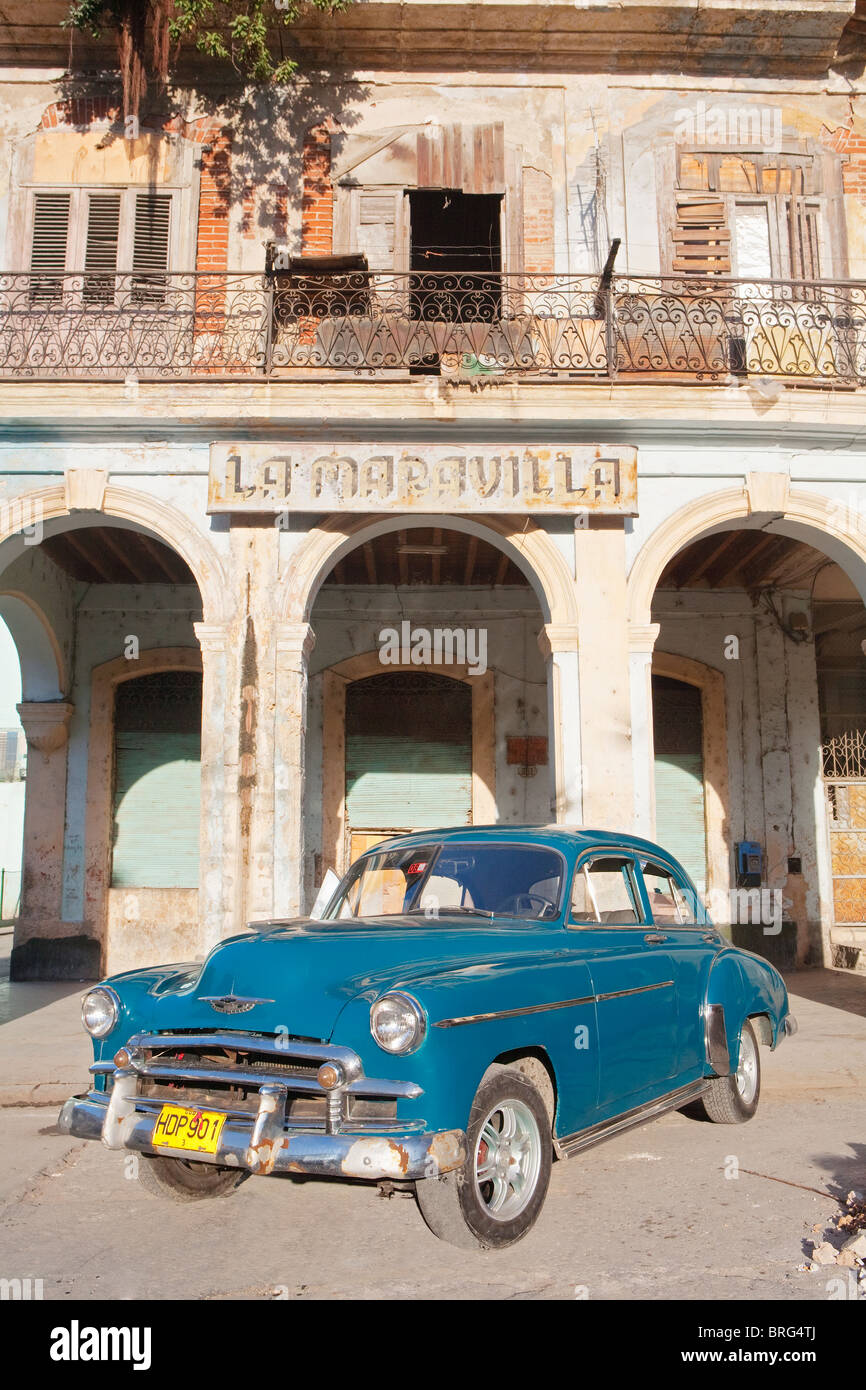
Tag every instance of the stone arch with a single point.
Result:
(93, 493)
(841, 532)
(335, 680)
(524, 541)
(714, 735)
(100, 770)
(43, 669)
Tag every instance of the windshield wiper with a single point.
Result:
(452, 912)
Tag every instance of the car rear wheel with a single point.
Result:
(496, 1197)
(731, 1100)
(182, 1181)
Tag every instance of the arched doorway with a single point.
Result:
(428, 693)
(770, 603)
(101, 890)
(408, 755)
(13, 765)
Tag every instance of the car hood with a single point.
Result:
(304, 972)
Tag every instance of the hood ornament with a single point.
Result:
(232, 1003)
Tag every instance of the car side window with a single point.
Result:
(604, 893)
(671, 903)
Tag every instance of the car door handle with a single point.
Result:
(709, 936)
(654, 938)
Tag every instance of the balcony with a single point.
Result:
(470, 328)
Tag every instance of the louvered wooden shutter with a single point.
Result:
(150, 245)
(50, 238)
(702, 241)
(376, 230)
(803, 232)
(100, 255)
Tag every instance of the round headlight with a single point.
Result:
(100, 1010)
(398, 1023)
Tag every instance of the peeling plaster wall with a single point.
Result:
(773, 734)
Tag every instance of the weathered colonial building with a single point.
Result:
(472, 432)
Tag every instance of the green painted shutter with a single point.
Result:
(407, 783)
(680, 824)
(156, 815)
(679, 775)
(408, 752)
(157, 781)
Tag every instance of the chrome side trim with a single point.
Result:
(606, 1129)
(640, 989)
(515, 1013)
(544, 1008)
(716, 1039)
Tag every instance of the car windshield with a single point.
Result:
(453, 880)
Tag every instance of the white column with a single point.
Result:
(294, 643)
(558, 645)
(642, 640)
(218, 881)
(46, 728)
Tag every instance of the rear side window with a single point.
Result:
(671, 903)
(604, 893)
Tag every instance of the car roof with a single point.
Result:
(561, 837)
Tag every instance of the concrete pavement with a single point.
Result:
(677, 1209)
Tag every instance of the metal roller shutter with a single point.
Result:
(157, 782)
(679, 775)
(408, 752)
(401, 782)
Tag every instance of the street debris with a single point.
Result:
(850, 1222)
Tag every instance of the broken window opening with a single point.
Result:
(457, 237)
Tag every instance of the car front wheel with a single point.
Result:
(496, 1197)
(183, 1181)
(731, 1100)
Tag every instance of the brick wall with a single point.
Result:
(538, 222)
(852, 148)
(317, 194)
(212, 247)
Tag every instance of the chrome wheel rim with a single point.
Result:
(507, 1160)
(747, 1071)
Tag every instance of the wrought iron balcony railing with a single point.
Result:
(479, 325)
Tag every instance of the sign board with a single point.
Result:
(306, 477)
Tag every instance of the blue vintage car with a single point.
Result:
(474, 1003)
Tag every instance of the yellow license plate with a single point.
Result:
(179, 1127)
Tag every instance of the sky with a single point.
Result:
(10, 679)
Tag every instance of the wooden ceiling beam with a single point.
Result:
(370, 562)
(85, 553)
(715, 553)
(126, 560)
(167, 561)
(730, 561)
(471, 554)
(765, 555)
(402, 559)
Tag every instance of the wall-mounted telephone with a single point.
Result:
(750, 864)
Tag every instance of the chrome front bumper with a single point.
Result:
(262, 1145)
(789, 1025)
